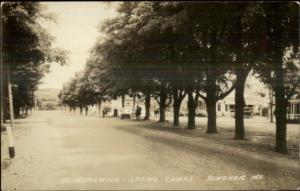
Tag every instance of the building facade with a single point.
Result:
(293, 112)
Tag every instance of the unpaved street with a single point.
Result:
(57, 150)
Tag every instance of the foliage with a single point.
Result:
(202, 49)
(27, 48)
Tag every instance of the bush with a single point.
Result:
(106, 109)
(50, 106)
(125, 116)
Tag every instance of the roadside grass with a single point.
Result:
(255, 141)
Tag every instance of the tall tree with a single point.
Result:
(26, 48)
(210, 24)
(242, 64)
(279, 69)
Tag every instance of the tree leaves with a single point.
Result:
(27, 46)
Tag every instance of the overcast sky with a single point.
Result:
(76, 32)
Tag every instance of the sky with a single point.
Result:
(75, 31)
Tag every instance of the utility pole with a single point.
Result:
(10, 128)
(4, 69)
(2, 96)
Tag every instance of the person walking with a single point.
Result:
(138, 112)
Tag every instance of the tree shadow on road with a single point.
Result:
(250, 156)
(255, 141)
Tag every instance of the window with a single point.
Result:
(219, 107)
(226, 107)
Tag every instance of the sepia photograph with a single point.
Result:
(150, 95)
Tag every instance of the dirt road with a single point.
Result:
(56, 150)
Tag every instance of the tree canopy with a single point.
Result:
(27, 49)
(204, 50)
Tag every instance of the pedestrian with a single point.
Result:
(156, 112)
(138, 112)
(104, 113)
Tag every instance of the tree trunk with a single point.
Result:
(211, 102)
(162, 107)
(211, 116)
(80, 108)
(271, 113)
(86, 110)
(26, 110)
(99, 107)
(147, 106)
(123, 100)
(133, 104)
(271, 105)
(280, 112)
(17, 110)
(176, 113)
(33, 101)
(241, 77)
(176, 108)
(162, 114)
(191, 104)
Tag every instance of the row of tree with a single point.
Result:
(202, 50)
(26, 53)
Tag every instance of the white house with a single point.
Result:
(256, 103)
(129, 106)
(255, 95)
(294, 108)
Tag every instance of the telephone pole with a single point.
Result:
(10, 128)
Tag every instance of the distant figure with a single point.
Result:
(156, 113)
(104, 113)
(138, 112)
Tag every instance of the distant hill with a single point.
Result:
(49, 94)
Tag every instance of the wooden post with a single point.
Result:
(10, 99)
(10, 127)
